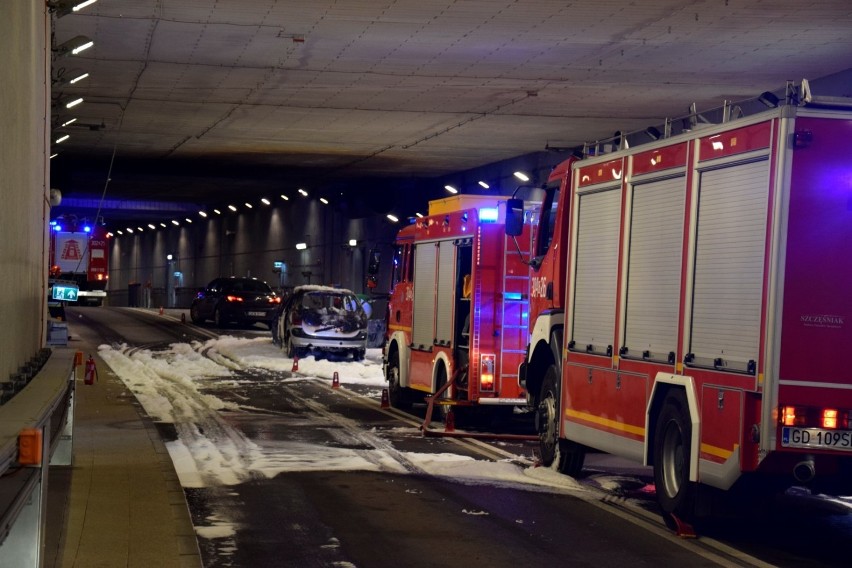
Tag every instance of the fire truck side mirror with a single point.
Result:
(514, 217)
(374, 262)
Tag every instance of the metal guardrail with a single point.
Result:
(44, 409)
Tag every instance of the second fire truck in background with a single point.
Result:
(458, 311)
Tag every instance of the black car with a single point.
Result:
(235, 300)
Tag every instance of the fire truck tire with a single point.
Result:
(397, 395)
(568, 456)
(672, 443)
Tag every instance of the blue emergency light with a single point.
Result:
(488, 214)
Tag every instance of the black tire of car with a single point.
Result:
(568, 456)
(194, 315)
(283, 341)
(292, 350)
(676, 494)
(217, 318)
(359, 354)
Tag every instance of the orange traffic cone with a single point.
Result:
(385, 399)
(335, 381)
(450, 421)
(161, 310)
(295, 364)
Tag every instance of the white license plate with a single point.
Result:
(816, 438)
(256, 314)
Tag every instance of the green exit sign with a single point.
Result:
(65, 293)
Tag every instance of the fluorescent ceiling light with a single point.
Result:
(83, 4)
(163, 225)
(303, 192)
(152, 225)
(248, 205)
(265, 201)
(522, 176)
(62, 139)
(352, 242)
(67, 122)
(175, 223)
(74, 46)
(73, 103)
(284, 197)
(232, 208)
(419, 215)
(217, 212)
(393, 218)
(301, 246)
(188, 220)
(202, 213)
(451, 189)
(78, 78)
(324, 200)
(54, 155)
(484, 185)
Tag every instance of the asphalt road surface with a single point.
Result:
(331, 517)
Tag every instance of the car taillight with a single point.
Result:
(275, 300)
(233, 298)
(295, 319)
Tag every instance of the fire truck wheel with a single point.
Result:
(396, 394)
(672, 443)
(568, 456)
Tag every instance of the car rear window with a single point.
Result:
(330, 303)
(249, 286)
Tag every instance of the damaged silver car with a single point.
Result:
(323, 320)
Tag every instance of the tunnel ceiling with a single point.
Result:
(197, 101)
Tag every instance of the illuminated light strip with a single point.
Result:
(718, 452)
(399, 328)
(421, 388)
(635, 430)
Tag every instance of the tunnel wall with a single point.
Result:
(24, 180)
(248, 244)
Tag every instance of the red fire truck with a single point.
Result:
(458, 311)
(79, 253)
(689, 300)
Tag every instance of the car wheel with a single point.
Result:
(195, 315)
(292, 350)
(218, 319)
